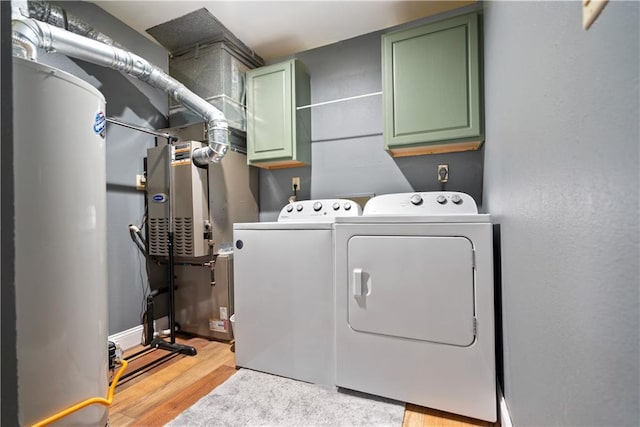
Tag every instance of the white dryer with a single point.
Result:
(414, 302)
(284, 302)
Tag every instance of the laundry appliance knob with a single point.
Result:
(416, 199)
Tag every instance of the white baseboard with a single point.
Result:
(505, 418)
(129, 338)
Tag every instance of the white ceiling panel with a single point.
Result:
(274, 29)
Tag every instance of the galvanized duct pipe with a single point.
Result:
(29, 33)
(56, 15)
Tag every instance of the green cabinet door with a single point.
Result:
(278, 134)
(431, 88)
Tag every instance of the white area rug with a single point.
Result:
(251, 398)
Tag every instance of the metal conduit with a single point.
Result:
(56, 15)
(29, 33)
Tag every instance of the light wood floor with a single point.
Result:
(158, 395)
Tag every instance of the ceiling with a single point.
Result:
(274, 29)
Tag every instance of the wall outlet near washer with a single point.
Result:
(443, 173)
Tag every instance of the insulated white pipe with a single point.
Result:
(30, 32)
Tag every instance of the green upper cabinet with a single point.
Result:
(278, 134)
(431, 88)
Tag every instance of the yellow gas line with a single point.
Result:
(91, 401)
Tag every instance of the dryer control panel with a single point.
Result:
(319, 210)
(422, 204)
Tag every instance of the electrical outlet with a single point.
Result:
(590, 11)
(295, 183)
(141, 182)
(443, 173)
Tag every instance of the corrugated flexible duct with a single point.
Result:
(29, 34)
(56, 15)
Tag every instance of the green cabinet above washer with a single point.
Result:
(278, 134)
(431, 88)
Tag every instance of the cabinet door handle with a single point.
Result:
(357, 282)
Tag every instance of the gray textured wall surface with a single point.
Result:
(133, 101)
(348, 157)
(562, 178)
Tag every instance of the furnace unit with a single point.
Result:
(191, 228)
(206, 203)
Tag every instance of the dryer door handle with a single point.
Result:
(358, 287)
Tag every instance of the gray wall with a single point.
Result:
(133, 101)
(348, 157)
(561, 177)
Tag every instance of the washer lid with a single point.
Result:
(415, 287)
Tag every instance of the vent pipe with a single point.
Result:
(57, 16)
(29, 34)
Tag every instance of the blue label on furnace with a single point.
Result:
(100, 124)
(159, 197)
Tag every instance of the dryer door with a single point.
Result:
(416, 287)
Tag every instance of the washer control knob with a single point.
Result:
(441, 199)
(456, 199)
(289, 208)
(336, 206)
(317, 206)
(299, 207)
(416, 199)
(347, 206)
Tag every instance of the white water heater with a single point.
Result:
(60, 244)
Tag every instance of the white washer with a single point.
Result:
(414, 302)
(284, 302)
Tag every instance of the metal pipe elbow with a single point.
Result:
(26, 36)
(218, 138)
(23, 47)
